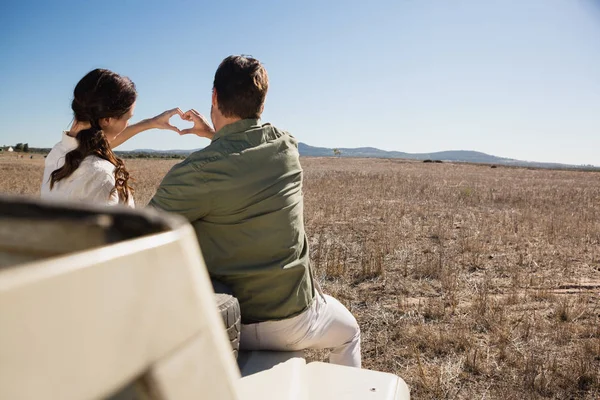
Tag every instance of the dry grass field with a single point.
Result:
(467, 281)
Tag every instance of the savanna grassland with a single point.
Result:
(467, 281)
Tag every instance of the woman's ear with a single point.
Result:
(105, 122)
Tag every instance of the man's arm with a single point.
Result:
(161, 121)
(183, 191)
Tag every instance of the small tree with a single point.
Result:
(19, 147)
(26, 147)
(337, 152)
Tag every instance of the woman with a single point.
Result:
(83, 167)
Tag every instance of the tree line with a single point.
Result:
(24, 147)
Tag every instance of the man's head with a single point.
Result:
(239, 89)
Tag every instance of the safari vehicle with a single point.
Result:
(113, 303)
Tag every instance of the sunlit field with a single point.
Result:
(467, 281)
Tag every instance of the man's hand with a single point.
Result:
(201, 126)
(161, 121)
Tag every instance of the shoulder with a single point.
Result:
(97, 165)
(283, 133)
(279, 133)
(198, 159)
(97, 172)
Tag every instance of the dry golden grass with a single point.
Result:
(467, 281)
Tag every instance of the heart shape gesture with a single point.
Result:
(162, 121)
(201, 126)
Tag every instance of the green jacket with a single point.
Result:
(243, 196)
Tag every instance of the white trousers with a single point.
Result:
(325, 325)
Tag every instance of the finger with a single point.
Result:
(173, 128)
(195, 112)
(190, 116)
(186, 131)
(172, 112)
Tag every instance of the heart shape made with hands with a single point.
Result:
(178, 122)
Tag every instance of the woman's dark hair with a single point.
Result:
(99, 94)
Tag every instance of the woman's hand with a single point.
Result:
(161, 121)
(201, 126)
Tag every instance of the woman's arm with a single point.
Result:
(161, 121)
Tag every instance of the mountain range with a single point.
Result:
(371, 152)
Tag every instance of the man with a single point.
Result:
(243, 195)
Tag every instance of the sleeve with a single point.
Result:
(184, 190)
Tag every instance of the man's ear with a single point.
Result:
(214, 97)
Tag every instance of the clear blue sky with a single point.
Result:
(518, 79)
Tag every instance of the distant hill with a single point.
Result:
(451, 155)
(371, 152)
(181, 152)
(457, 155)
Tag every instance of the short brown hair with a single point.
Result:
(241, 83)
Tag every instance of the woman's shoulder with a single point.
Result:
(95, 172)
(97, 165)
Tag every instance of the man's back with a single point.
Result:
(243, 195)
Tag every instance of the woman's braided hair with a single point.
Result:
(99, 94)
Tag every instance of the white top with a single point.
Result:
(93, 181)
